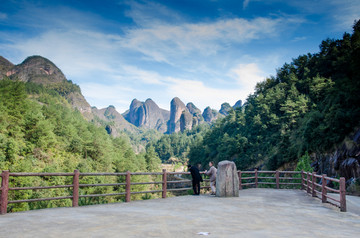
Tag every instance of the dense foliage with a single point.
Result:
(174, 148)
(41, 132)
(311, 105)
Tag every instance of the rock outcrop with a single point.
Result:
(225, 109)
(176, 109)
(343, 162)
(147, 115)
(196, 113)
(193, 109)
(210, 115)
(238, 104)
(186, 121)
(5, 66)
(37, 69)
(227, 180)
(118, 122)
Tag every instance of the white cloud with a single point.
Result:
(347, 11)
(247, 75)
(76, 52)
(125, 64)
(202, 95)
(146, 77)
(163, 42)
(102, 95)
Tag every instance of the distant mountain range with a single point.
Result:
(141, 115)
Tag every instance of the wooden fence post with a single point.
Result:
(313, 180)
(302, 180)
(4, 191)
(307, 182)
(75, 200)
(342, 195)
(256, 178)
(277, 179)
(323, 189)
(127, 187)
(239, 174)
(164, 183)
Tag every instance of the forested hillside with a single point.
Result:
(175, 148)
(311, 105)
(41, 132)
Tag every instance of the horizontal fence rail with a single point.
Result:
(320, 186)
(76, 186)
(317, 185)
(274, 178)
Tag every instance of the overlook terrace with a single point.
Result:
(256, 212)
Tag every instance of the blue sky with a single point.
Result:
(202, 51)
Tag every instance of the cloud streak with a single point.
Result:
(161, 54)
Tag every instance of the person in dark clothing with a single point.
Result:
(196, 179)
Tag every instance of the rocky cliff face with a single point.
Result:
(176, 109)
(238, 104)
(5, 66)
(196, 113)
(148, 115)
(37, 69)
(343, 162)
(225, 109)
(186, 121)
(210, 115)
(118, 124)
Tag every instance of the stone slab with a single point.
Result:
(255, 213)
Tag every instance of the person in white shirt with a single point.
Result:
(212, 174)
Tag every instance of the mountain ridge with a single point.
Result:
(143, 115)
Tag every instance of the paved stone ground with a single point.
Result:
(255, 213)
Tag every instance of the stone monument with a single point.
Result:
(227, 180)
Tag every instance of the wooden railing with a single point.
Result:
(311, 185)
(76, 186)
(276, 179)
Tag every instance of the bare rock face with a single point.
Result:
(225, 109)
(78, 101)
(193, 109)
(176, 109)
(186, 121)
(210, 115)
(5, 66)
(119, 123)
(196, 113)
(37, 69)
(343, 162)
(238, 104)
(227, 180)
(148, 115)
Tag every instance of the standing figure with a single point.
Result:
(212, 174)
(196, 179)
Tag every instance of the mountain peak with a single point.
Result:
(176, 109)
(5, 66)
(37, 69)
(147, 114)
(225, 108)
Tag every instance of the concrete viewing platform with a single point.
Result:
(255, 213)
